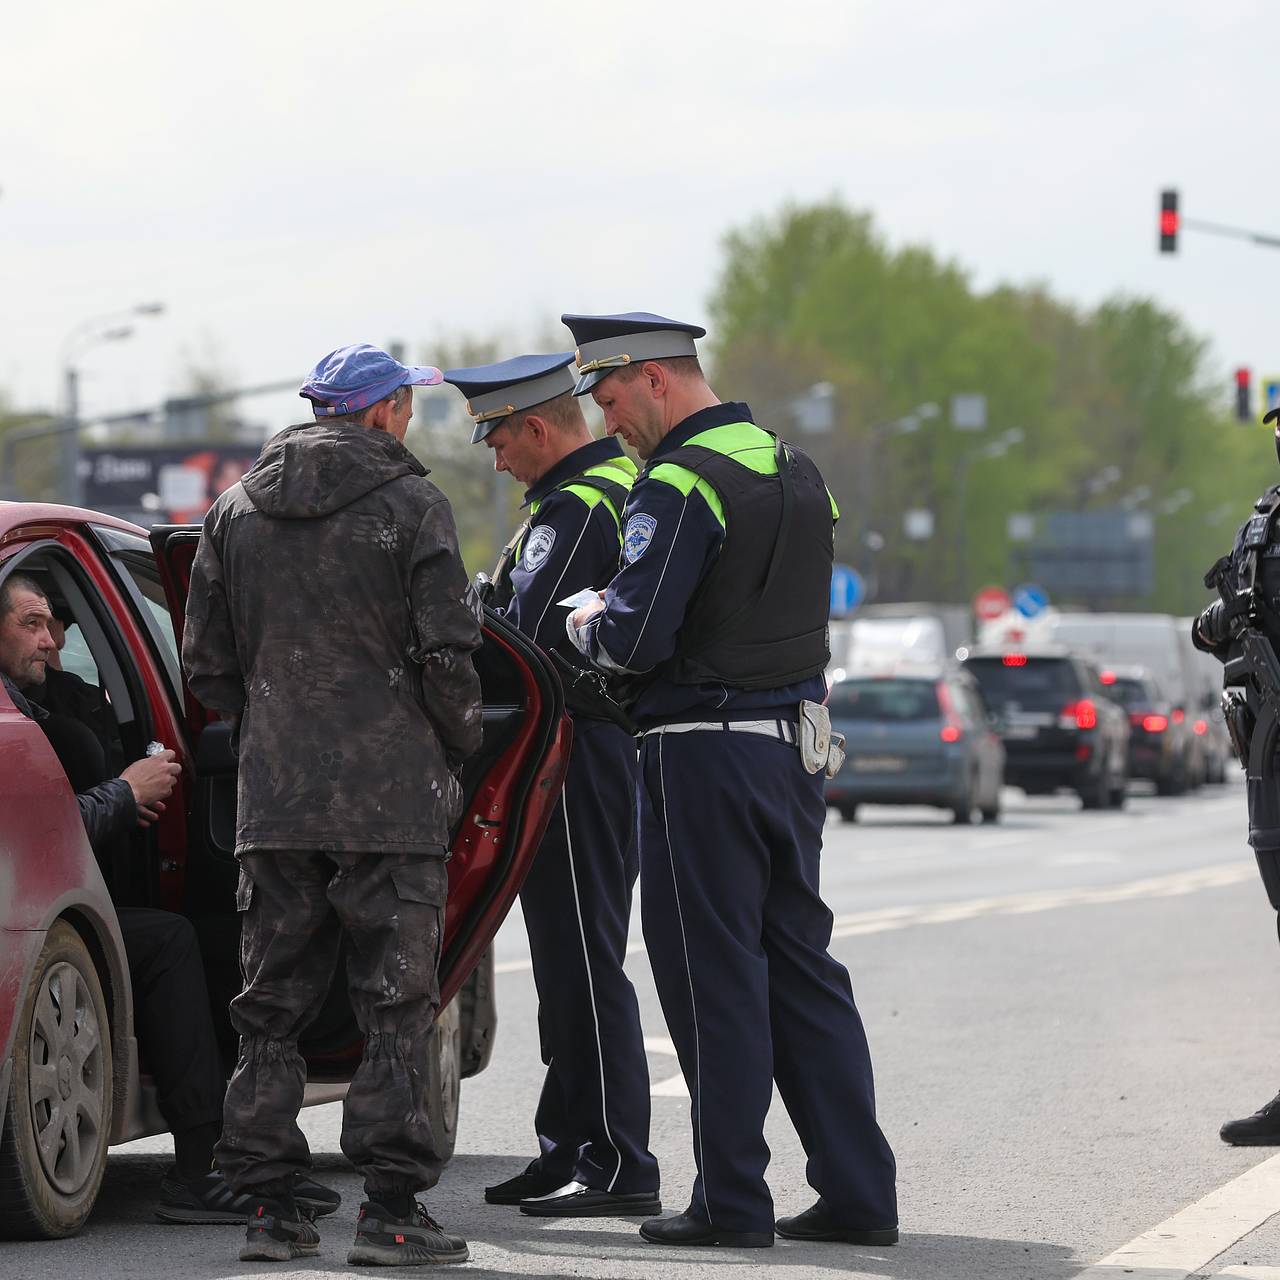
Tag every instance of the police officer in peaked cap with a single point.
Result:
(718, 616)
(592, 1119)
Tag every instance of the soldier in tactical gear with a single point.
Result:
(1242, 630)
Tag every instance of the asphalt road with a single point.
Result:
(1062, 1009)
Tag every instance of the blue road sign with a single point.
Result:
(1030, 600)
(847, 590)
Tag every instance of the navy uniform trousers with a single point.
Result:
(730, 833)
(593, 1116)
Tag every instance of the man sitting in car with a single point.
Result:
(172, 1020)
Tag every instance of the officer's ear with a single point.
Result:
(656, 376)
(538, 428)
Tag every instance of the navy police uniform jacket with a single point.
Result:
(673, 531)
(572, 542)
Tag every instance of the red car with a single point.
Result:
(71, 1083)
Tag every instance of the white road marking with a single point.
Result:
(888, 919)
(1193, 1237)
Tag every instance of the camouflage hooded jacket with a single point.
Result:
(329, 609)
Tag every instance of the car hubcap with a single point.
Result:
(66, 1075)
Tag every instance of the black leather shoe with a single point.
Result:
(532, 1182)
(576, 1200)
(817, 1223)
(685, 1229)
(1262, 1129)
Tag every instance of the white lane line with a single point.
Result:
(887, 919)
(1168, 886)
(1193, 1237)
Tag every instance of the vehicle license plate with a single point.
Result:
(1021, 732)
(879, 764)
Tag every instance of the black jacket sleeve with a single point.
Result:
(107, 810)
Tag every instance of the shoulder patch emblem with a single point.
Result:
(538, 547)
(635, 541)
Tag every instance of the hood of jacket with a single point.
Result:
(320, 467)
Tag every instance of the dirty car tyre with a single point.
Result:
(53, 1150)
(444, 1083)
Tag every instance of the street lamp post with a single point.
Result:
(996, 448)
(871, 443)
(88, 334)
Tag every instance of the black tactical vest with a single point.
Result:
(759, 619)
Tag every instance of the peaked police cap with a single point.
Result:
(607, 343)
(494, 391)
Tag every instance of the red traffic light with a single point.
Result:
(1244, 382)
(1170, 220)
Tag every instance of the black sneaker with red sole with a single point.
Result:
(385, 1240)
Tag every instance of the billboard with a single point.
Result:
(160, 484)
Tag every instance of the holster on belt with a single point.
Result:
(821, 750)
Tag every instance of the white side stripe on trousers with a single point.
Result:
(688, 968)
(591, 989)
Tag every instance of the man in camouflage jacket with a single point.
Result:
(330, 614)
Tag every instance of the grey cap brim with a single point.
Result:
(589, 380)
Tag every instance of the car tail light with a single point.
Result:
(952, 730)
(1083, 751)
(1201, 727)
(1106, 677)
(1079, 715)
(1179, 715)
(1014, 659)
(1155, 724)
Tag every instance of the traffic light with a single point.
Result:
(1169, 221)
(1244, 411)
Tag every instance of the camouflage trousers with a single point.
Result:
(296, 908)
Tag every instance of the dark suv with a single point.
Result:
(1158, 730)
(71, 1083)
(1059, 724)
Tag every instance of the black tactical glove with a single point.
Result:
(1213, 625)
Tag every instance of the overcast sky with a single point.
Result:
(290, 177)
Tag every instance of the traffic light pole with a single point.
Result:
(1236, 233)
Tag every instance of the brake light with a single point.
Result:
(1014, 659)
(1079, 715)
(952, 730)
(1155, 724)
(1201, 727)
(1179, 715)
(1106, 677)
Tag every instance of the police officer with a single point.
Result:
(592, 1119)
(1252, 576)
(719, 614)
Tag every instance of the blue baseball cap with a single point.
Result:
(352, 378)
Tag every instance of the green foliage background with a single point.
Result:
(815, 294)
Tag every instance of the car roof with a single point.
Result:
(1037, 650)
(15, 515)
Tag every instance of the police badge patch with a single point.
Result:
(538, 548)
(635, 542)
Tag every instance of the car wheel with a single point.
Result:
(53, 1150)
(992, 813)
(849, 813)
(444, 1082)
(1097, 794)
(962, 814)
(1119, 794)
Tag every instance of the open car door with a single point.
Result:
(510, 787)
